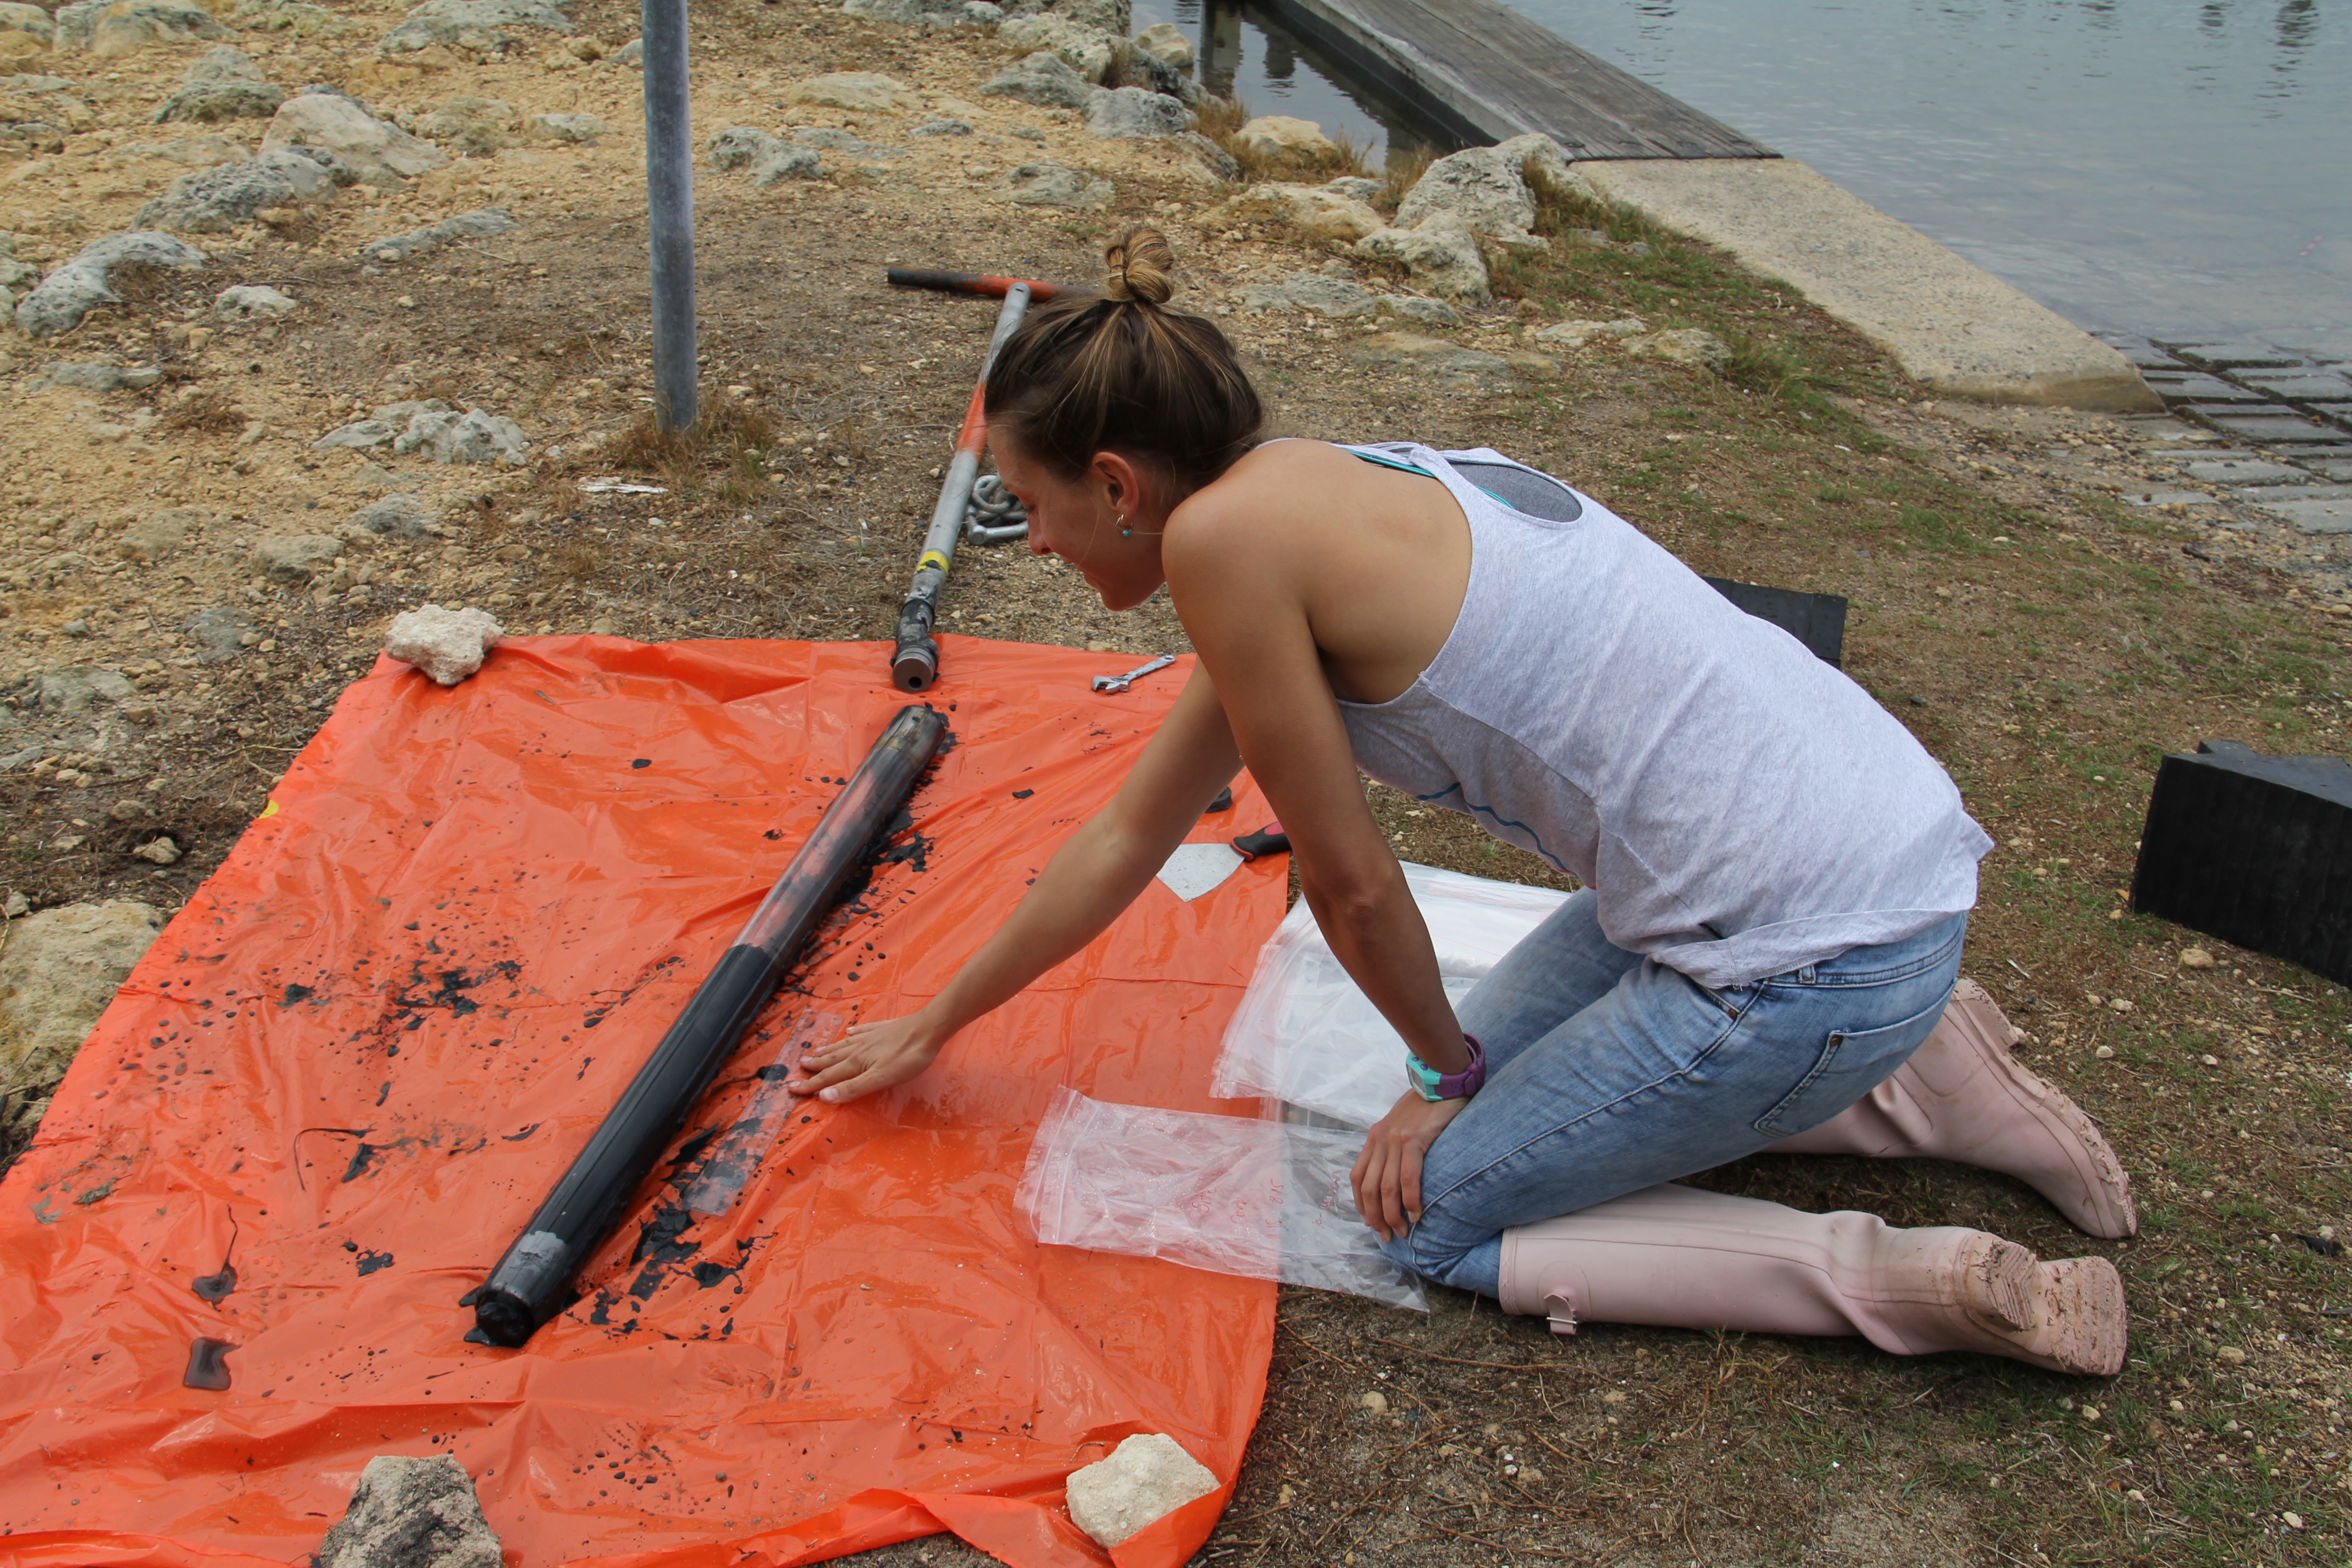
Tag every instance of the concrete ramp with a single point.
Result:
(1951, 325)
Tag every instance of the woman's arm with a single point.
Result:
(1095, 874)
(1244, 603)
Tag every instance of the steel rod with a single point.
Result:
(978, 283)
(914, 662)
(669, 211)
(532, 1282)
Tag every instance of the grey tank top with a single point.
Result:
(1740, 808)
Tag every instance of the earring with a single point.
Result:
(1124, 531)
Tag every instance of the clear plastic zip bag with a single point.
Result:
(1305, 1035)
(1266, 1199)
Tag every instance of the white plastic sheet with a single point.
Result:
(1266, 1199)
(1304, 1034)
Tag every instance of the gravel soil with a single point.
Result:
(2046, 641)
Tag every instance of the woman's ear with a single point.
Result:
(1123, 484)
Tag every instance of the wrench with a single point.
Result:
(1121, 682)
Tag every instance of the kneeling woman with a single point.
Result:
(1778, 875)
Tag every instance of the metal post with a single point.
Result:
(669, 203)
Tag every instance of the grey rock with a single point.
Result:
(1317, 213)
(1432, 357)
(564, 127)
(223, 62)
(1053, 186)
(94, 377)
(1441, 256)
(1355, 187)
(1577, 334)
(158, 533)
(296, 557)
(379, 151)
(1478, 188)
(34, 82)
(1218, 162)
(397, 516)
(631, 54)
(215, 200)
(81, 285)
(472, 437)
(59, 970)
(70, 690)
(1338, 298)
(942, 128)
(769, 159)
(1131, 113)
(251, 301)
(30, 20)
(210, 102)
(198, 152)
(295, 16)
(841, 141)
(474, 25)
(113, 28)
(1412, 308)
(219, 634)
(1684, 345)
(1538, 160)
(411, 1513)
(475, 126)
(1111, 15)
(162, 851)
(1088, 50)
(1140, 67)
(1029, 133)
(360, 435)
(932, 15)
(1042, 79)
(400, 414)
(486, 224)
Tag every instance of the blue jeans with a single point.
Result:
(1608, 1073)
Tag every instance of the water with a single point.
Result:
(1248, 54)
(2179, 171)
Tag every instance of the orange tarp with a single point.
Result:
(356, 1062)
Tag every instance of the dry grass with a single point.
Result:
(716, 444)
(1221, 120)
(206, 412)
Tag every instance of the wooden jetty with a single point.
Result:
(1485, 73)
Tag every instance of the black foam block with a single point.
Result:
(2254, 849)
(1817, 620)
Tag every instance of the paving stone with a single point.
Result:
(2146, 355)
(2314, 516)
(2241, 470)
(2314, 490)
(2237, 357)
(2258, 408)
(2304, 386)
(2189, 387)
(2276, 429)
(2166, 498)
(2340, 470)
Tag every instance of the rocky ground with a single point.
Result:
(432, 214)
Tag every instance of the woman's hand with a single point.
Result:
(867, 1058)
(1387, 1177)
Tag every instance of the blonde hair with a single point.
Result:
(1121, 372)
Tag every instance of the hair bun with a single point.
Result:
(1142, 269)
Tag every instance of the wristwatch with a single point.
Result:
(1431, 1084)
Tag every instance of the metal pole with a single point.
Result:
(914, 662)
(669, 202)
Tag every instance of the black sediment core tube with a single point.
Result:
(532, 1282)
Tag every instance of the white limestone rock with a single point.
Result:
(81, 286)
(410, 1512)
(1086, 50)
(1043, 79)
(1314, 211)
(1147, 1477)
(1168, 42)
(379, 151)
(1684, 345)
(1279, 136)
(1576, 334)
(447, 645)
(59, 970)
(1131, 113)
(251, 302)
(1442, 255)
(865, 92)
(473, 437)
(1479, 188)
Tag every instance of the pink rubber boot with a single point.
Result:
(1962, 1097)
(1680, 1257)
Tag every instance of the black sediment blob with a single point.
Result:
(215, 1288)
(207, 1365)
